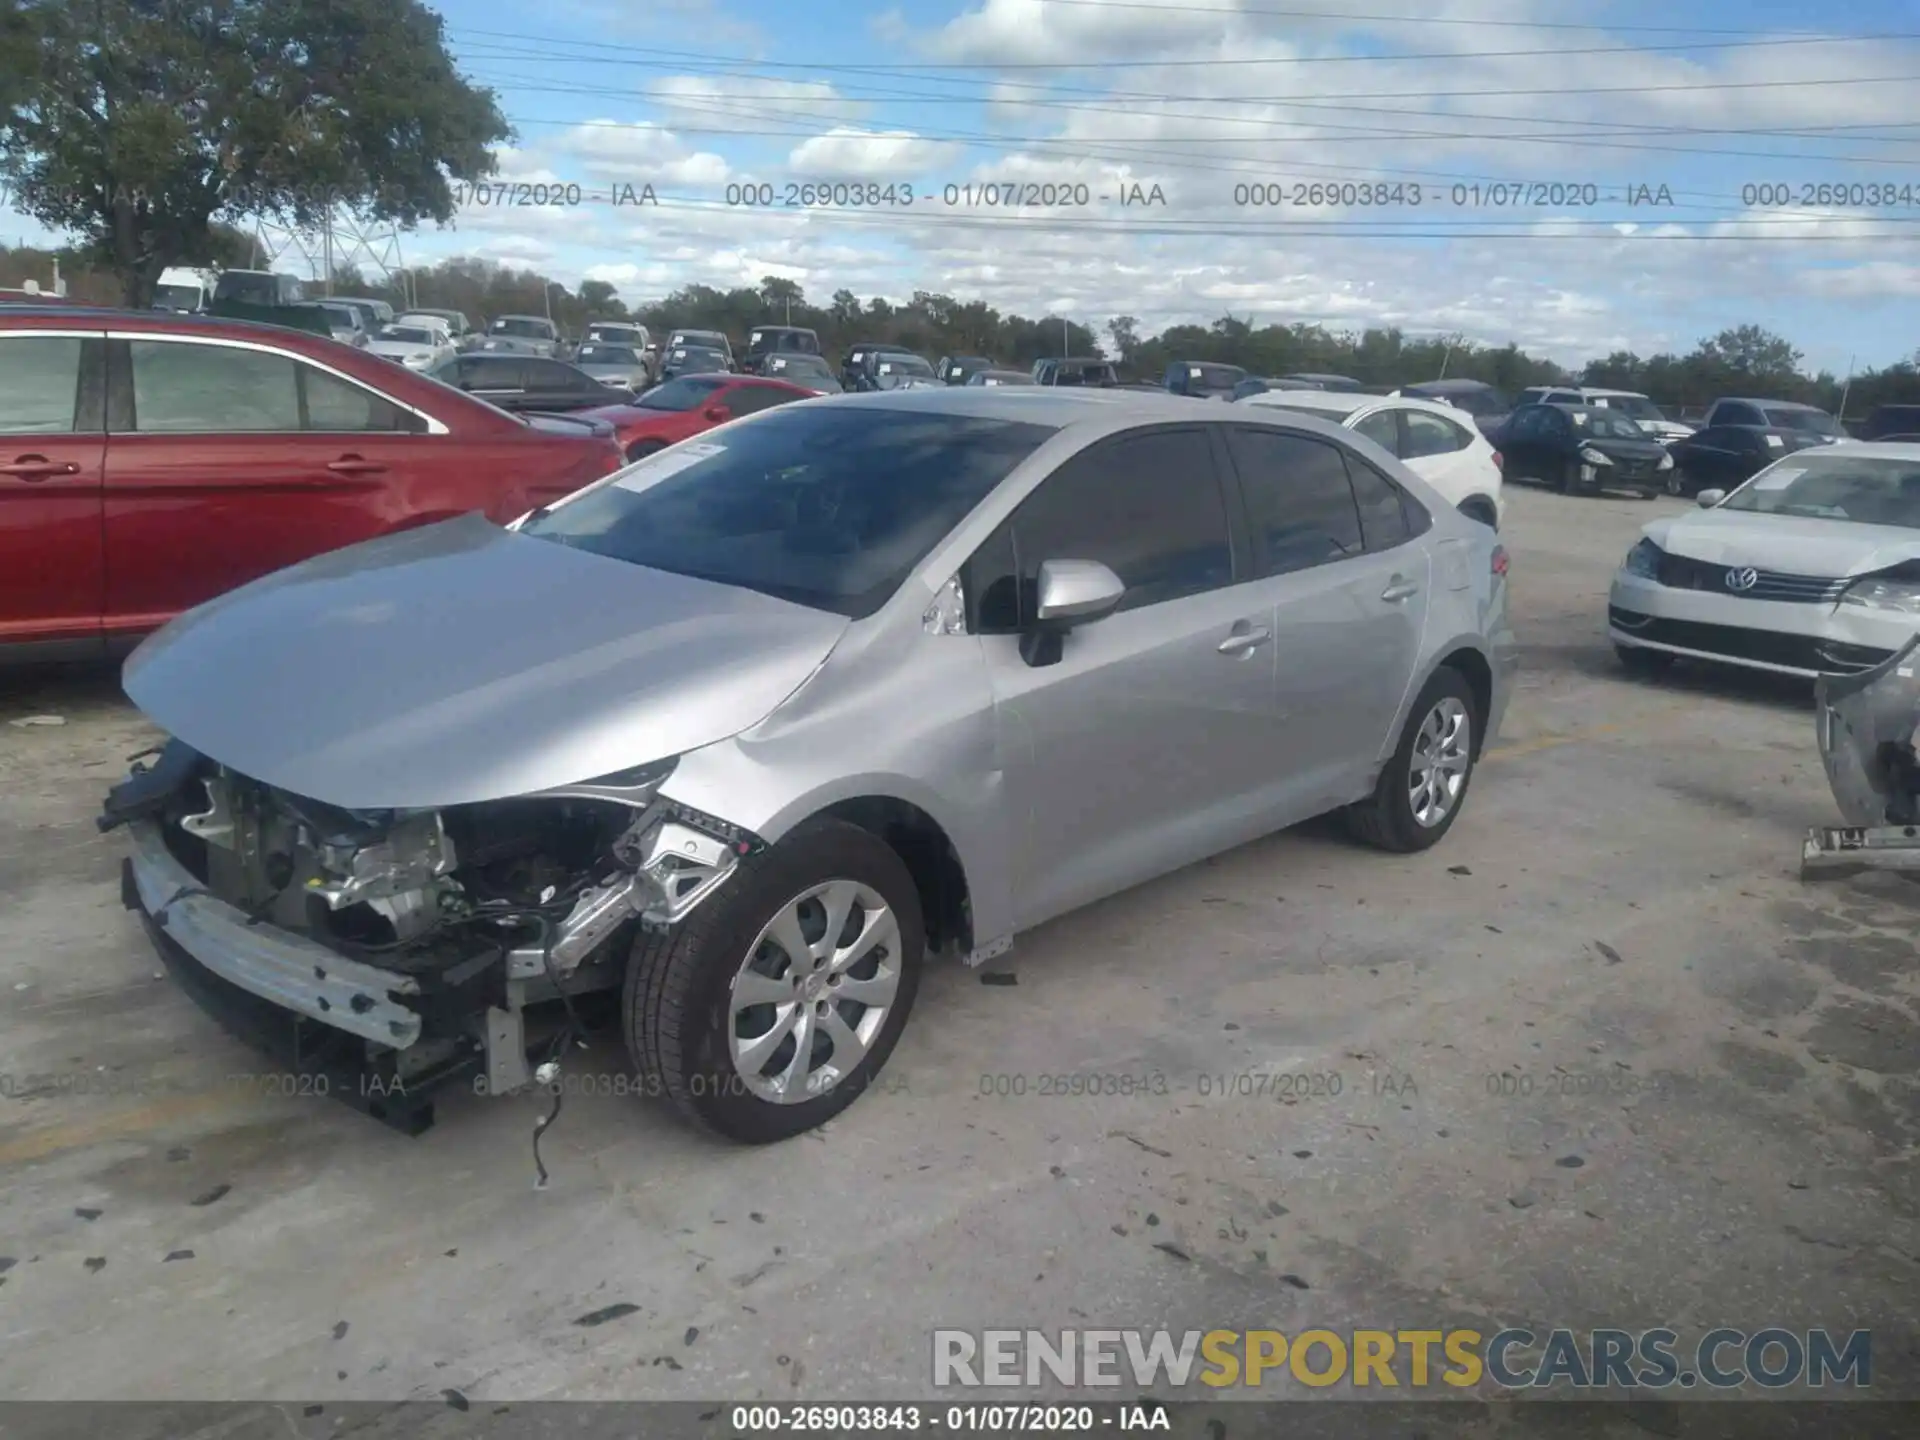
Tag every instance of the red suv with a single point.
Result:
(683, 408)
(149, 462)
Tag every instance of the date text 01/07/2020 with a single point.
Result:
(982, 1419)
(982, 195)
(1463, 195)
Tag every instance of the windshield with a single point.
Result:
(1607, 425)
(248, 289)
(178, 297)
(620, 334)
(408, 334)
(1809, 422)
(526, 329)
(689, 393)
(606, 355)
(343, 316)
(703, 339)
(1638, 406)
(826, 507)
(1831, 485)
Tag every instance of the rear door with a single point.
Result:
(553, 385)
(52, 452)
(1334, 549)
(1152, 742)
(229, 460)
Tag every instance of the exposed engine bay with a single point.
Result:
(473, 913)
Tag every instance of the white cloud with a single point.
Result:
(640, 152)
(844, 153)
(749, 103)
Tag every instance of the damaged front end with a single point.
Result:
(1866, 725)
(391, 952)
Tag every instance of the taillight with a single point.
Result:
(1499, 559)
(1499, 462)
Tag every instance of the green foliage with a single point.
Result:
(132, 124)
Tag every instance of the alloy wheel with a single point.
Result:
(1442, 756)
(814, 991)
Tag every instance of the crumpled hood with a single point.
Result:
(460, 663)
(1831, 548)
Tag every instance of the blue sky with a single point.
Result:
(1199, 97)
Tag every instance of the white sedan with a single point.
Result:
(1812, 567)
(1437, 442)
(413, 344)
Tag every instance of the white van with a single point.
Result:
(186, 291)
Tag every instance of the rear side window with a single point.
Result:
(1300, 503)
(1432, 435)
(1383, 429)
(1149, 507)
(491, 374)
(1388, 515)
(751, 399)
(40, 384)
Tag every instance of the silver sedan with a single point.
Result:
(746, 731)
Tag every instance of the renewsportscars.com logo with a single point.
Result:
(1722, 1359)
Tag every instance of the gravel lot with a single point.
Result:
(1711, 1119)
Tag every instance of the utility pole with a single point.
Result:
(1844, 390)
(326, 252)
(1066, 338)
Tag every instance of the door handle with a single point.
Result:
(354, 465)
(1399, 590)
(38, 467)
(1244, 642)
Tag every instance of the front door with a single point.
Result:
(1148, 745)
(51, 453)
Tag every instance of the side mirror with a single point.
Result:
(716, 413)
(1071, 593)
(1710, 498)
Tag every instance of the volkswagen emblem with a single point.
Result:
(1742, 578)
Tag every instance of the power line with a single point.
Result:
(1367, 134)
(1333, 15)
(814, 67)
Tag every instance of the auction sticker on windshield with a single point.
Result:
(651, 471)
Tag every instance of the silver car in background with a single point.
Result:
(747, 730)
(1810, 568)
(612, 364)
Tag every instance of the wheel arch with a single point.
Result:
(929, 853)
(1472, 664)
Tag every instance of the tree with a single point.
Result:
(132, 124)
(600, 299)
(1124, 330)
(778, 293)
(1750, 350)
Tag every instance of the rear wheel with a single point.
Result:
(772, 1007)
(1424, 785)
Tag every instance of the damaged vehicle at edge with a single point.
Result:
(743, 732)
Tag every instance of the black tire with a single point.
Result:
(1677, 481)
(1569, 482)
(640, 449)
(674, 1004)
(1385, 819)
(1637, 660)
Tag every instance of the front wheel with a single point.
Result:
(772, 1007)
(1424, 785)
(640, 449)
(1677, 482)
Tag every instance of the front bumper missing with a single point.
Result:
(291, 971)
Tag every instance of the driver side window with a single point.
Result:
(1149, 507)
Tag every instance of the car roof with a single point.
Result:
(1447, 386)
(1626, 394)
(1866, 450)
(1100, 410)
(1334, 402)
(541, 318)
(1774, 404)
